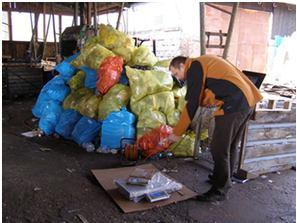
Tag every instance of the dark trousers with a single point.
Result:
(225, 140)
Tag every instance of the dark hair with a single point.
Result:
(176, 61)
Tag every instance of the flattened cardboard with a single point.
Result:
(106, 179)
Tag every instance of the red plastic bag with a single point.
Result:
(155, 141)
(109, 73)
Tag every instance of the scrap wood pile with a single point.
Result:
(101, 97)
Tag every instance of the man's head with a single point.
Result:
(177, 67)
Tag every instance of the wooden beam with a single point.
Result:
(95, 17)
(120, 15)
(60, 32)
(202, 29)
(230, 29)
(36, 17)
(81, 13)
(218, 8)
(54, 29)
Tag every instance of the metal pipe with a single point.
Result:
(230, 29)
(202, 29)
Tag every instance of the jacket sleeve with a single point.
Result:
(194, 79)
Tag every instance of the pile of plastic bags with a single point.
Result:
(109, 92)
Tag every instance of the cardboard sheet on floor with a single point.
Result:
(106, 178)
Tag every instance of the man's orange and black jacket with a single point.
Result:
(213, 81)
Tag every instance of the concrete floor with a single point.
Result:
(57, 185)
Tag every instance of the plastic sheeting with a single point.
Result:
(113, 39)
(73, 99)
(142, 56)
(109, 73)
(89, 106)
(185, 147)
(116, 98)
(147, 82)
(163, 102)
(77, 81)
(50, 117)
(86, 130)
(67, 122)
(116, 126)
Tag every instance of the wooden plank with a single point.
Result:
(271, 133)
(269, 150)
(269, 164)
(275, 116)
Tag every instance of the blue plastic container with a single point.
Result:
(115, 127)
(66, 70)
(50, 117)
(86, 130)
(67, 122)
(91, 77)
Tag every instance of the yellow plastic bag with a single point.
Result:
(163, 101)
(185, 147)
(124, 52)
(142, 56)
(147, 82)
(118, 96)
(74, 98)
(163, 63)
(173, 117)
(112, 38)
(89, 106)
(77, 81)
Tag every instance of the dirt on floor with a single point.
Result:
(56, 185)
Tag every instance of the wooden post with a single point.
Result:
(95, 17)
(60, 32)
(202, 29)
(120, 15)
(9, 25)
(89, 14)
(44, 42)
(54, 29)
(75, 13)
(44, 18)
(230, 29)
(36, 17)
(81, 13)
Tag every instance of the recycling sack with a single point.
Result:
(77, 81)
(155, 141)
(111, 38)
(66, 70)
(115, 127)
(66, 123)
(185, 146)
(147, 82)
(163, 63)
(50, 117)
(55, 89)
(163, 101)
(73, 99)
(90, 78)
(109, 73)
(89, 106)
(142, 56)
(173, 117)
(116, 98)
(86, 130)
(124, 52)
(148, 120)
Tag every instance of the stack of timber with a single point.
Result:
(270, 142)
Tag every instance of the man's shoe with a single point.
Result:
(212, 195)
